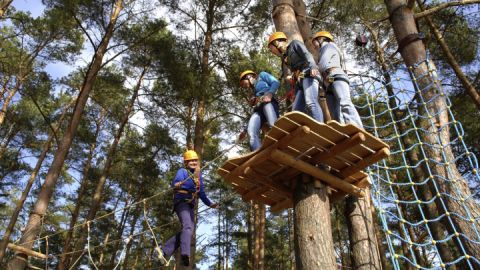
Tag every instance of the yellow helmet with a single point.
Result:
(190, 155)
(323, 34)
(245, 73)
(276, 36)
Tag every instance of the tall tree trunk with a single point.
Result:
(259, 236)
(40, 208)
(303, 26)
(313, 229)
(251, 234)
(67, 245)
(413, 157)
(363, 241)
(4, 6)
(291, 238)
(7, 100)
(447, 178)
(467, 84)
(28, 187)
(381, 245)
(8, 138)
(97, 196)
(284, 17)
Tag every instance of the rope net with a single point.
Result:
(421, 193)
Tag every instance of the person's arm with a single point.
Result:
(179, 179)
(301, 50)
(271, 81)
(203, 195)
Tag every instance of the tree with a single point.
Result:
(33, 226)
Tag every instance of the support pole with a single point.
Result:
(313, 233)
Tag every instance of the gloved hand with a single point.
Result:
(267, 97)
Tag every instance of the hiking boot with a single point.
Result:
(185, 260)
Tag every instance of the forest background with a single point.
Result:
(155, 77)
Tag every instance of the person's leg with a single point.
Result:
(299, 101)
(270, 113)
(332, 106)
(253, 130)
(185, 214)
(310, 87)
(171, 245)
(347, 111)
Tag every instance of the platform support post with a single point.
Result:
(313, 233)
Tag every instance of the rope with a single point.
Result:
(397, 192)
(88, 246)
(236, 143)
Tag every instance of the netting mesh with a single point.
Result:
(424, 213)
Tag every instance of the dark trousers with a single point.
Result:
(182, 239)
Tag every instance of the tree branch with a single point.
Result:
(443, 6)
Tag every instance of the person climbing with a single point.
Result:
(335, 80)
(265, 106)
(187, 186)
(305, 72)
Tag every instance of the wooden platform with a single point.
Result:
(298, 144)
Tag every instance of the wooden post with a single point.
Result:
(313, 233)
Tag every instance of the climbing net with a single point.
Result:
(421, 193)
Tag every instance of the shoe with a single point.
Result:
(161, 257)
(185, 260)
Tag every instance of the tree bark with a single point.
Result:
(363, 241)
(313, 231)
(97, 196)
(40, 208)
(466, 83)
(259, 237)
(28, 187)
(438, 136)
(284, 18)
(304, 27)
(7, 100)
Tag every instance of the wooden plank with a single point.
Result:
(371, 141)
(265, 153)
(339, 148)
(29, 252)
(251, 173)
(255, 192)
(279, 206)
(316, 172)
(381, 154)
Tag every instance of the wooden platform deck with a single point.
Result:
(298, 144)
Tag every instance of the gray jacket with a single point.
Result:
(331, 58)
(297, 57)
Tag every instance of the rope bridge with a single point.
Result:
(420, 226)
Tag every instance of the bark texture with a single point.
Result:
(313, 234)
(363, 241)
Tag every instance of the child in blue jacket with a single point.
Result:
(264, 86)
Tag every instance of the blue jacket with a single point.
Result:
(188, 185)
(266, 83)
(297, 57)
